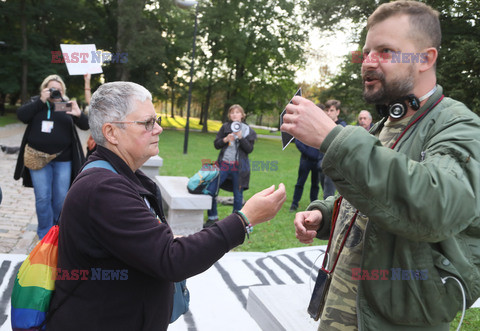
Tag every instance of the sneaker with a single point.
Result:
(293, 209)
(209, 223)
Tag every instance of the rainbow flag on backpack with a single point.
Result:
(35, 283)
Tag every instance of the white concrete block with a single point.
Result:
(184, 211)
(152, 167)
(281, 307)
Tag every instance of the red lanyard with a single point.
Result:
(336, 210)
(338, 202)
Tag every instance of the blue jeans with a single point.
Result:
(328, 187)
(50, 185)
(306, 166)
(227, 170)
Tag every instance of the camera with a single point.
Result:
(236, 126)
(55, 94)
(63, 106)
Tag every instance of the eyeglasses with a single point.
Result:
(148, 124)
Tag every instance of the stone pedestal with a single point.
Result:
(184, 211)
(152, 167)
(281, 307)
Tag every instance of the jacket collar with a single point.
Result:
(430, 101)
(143, 183)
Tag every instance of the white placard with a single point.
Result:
(80, 59)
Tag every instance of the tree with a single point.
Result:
(250, 52)
(458, 66)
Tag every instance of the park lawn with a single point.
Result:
(270, 166)
(8, 118)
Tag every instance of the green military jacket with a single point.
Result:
(423, 204)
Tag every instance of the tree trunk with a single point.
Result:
(129, 12)
(172, 100)
(2, 104)
(24, 92)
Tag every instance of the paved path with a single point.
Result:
(18, 220)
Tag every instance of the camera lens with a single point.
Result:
(55, 94)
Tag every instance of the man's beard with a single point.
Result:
(388, 92)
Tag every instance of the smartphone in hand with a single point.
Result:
(63, 106)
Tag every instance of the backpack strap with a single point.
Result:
(100, 164)
(51, 312)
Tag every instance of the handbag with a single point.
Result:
(181, 300)
(34, 284)
(35, 160)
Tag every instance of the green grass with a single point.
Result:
(9, 118)
(278, 167)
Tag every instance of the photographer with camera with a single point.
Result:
(235, 140)
(51, 152)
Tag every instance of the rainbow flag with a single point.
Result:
(35, 283)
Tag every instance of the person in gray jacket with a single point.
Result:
(403, 250)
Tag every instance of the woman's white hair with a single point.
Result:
(113, 102)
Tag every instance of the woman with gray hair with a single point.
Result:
(112, 223)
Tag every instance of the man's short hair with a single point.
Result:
(321, 106)
(424, 21)
(333, 102)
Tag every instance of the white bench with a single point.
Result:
(151, 168)
(184, 211)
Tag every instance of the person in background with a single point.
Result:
(91, 145)
(112, 221)
(365, 119)
(51, 131)
(332, 109)
(310, 161)
(408, 218)
(233, 162)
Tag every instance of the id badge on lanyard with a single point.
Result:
(47, 125)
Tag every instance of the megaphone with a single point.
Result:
(185, 4)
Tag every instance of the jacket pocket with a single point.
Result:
(416, 296)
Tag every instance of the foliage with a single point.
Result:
(458, 66)
(247, 51)
(250, 51)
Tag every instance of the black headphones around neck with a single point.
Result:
(398, 108)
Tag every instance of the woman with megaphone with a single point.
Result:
(235, 141)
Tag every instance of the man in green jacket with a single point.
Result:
(404, 240)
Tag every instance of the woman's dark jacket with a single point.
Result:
(33, 113)
(106, 226)
(244, 147)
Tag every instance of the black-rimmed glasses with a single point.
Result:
(149, 124)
